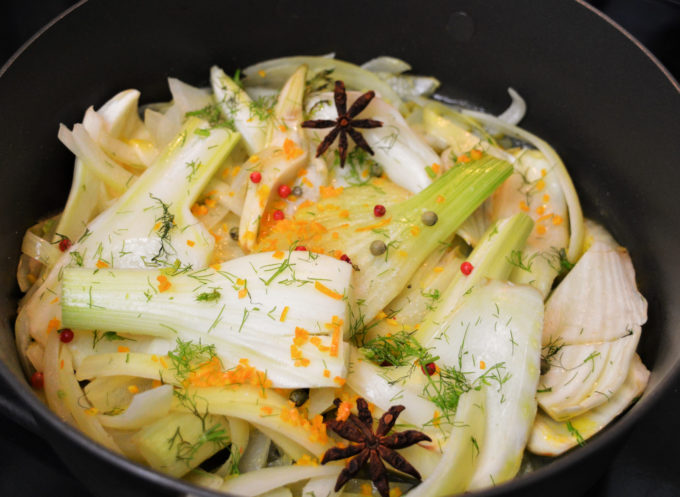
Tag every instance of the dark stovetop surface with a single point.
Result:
(648, 464)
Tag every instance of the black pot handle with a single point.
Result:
(13, 408)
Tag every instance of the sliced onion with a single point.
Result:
(188, 98)
(145, 408)
(518, 108)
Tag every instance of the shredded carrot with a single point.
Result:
(540, 210)
(163, 283)
(540, 229)
(191, 243)
(326, 373)
(557, 220)
(123, 349)
(476, 154)
(339, 381)
(284, 313)
(482, 365)
(102, 264)
(523, 206)
(436, 168)
(463, 158)
(335, 340)
(242, 293)
(266, 410)
(382, 223)
(327, 291)
(278, 255)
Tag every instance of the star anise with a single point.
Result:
(371, 446)
(345, 124)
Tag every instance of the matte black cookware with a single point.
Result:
(595, 94)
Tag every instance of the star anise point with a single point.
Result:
(345, 124)
(372, 446)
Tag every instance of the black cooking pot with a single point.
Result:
(596, 95)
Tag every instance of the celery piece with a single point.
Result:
(179, 442)
(249, 308)
(490, 259)
(150, 224)
(286, 153)
(461, 452)
(235, 105)
(576, 226)
(408, 241)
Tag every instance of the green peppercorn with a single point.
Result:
(378, 247)
(299, 396)
(297, 191)
(233, 233)
(429, 218)
(376, 170)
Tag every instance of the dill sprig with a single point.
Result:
(209, 296)
(167, 222)
(188, 356)
(214, 116)
(262, 107)
(575, 433)
(398, 349)
(185, 450)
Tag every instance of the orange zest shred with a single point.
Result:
(326, 373)
(211, 374)
(266, 410)
(540, 229)
(301, 336)
(242, 293)
(102, 264)
(557, 220)
(278, 255)
(344, 410)
(476, 154)
(163, 283)
(482, 365)
(382, 223)
(123, 349)
(54, 300)
(330, 191)
(191, 243)
(523, 206)
(53, 324)
(438, 269)
(284, 313)
(327, 291)
(415, 230)
(440, 199)
(546, 197)
(340, 381)
(291, 150)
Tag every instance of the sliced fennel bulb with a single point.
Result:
(251, 307)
